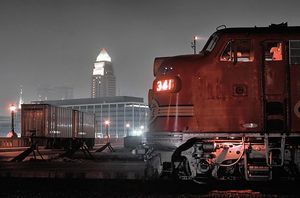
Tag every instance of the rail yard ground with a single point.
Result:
(117, 174)
(35, 188)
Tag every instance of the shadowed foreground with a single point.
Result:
(34, 188)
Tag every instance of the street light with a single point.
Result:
(127, 129)
(107, 122)
(12, 133)
(194, 44)
(107, 145)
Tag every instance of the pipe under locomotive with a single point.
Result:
(230, 112)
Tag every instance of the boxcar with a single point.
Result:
(57, 126)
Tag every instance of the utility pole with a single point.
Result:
(194, 44)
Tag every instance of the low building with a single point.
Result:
(5, 125)
(126, 115)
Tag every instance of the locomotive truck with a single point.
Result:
(230, 112)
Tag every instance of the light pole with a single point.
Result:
(141, 131)
(13, 109)
(194, 44)
(107, 122)
(127, 129)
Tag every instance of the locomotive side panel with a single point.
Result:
(227, 96)
(295, 100)
(294, 52)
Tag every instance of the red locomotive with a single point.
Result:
(231, 111)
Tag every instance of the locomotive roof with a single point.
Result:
(280, 28)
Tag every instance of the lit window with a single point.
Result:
(243, 51)
(294, 52)
(273, 51)
(227, 54)
(239, 50)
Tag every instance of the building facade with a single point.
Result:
(54, 93)
(126, 115)
(103, 79)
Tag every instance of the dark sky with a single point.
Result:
(56, 42)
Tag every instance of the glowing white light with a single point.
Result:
(137, 132)
(201, 38)
(250, 125)
(127, 125)
(98, 68)
(106, 122)
(135, 105)
(103, 56)
(165, 85)
(21, 98)
(100, 135)
(54, 132)
(13, 108)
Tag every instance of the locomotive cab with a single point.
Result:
(239, 95)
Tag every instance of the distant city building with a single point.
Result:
(21, 101)
(103, 79)
(55, 93)
(63, 93)
(127, 115)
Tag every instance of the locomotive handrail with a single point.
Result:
(221, 27)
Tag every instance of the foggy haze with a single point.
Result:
(56, 42)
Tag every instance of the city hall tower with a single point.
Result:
(103, 79)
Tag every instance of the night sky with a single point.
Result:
(56, 42)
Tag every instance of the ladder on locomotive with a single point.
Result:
(275, 79)
(276, 97)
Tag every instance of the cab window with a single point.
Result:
(294, 46)
(227, 54)
(238, 50)
(273, 51)
(212, 43)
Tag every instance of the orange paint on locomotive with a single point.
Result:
(232, 85)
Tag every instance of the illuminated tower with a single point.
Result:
(20, 97)
(103, 80)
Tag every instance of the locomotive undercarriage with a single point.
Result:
(252, 157)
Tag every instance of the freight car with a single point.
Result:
(54, 126)
(230, 112)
